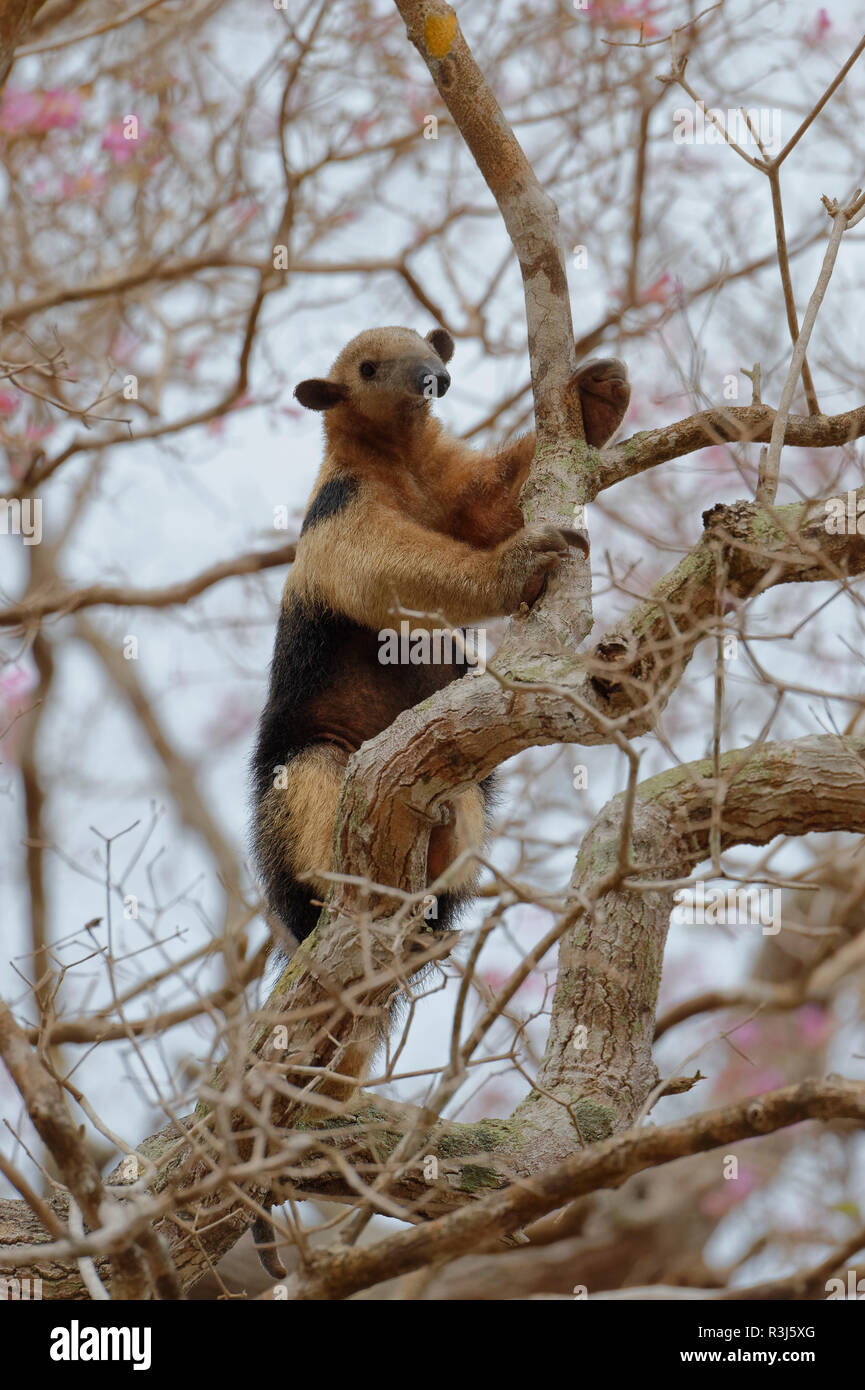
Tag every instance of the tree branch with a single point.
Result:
(338, 1274)
(16, 18)
(31, 610)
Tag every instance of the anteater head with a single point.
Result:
(382, 373)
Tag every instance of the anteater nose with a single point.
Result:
(432, 380)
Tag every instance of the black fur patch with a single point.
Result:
(334, 497)
(290, 901)
(327, 684)
(304, 654)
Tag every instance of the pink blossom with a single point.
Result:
(123, 345)
(361, 128)
(18, 109)
(244, 211)
(660, 291)
(731, 1192)
(748, 1035)
(59, 110)
(15, 683)
(34, 433)
(535, 985)
(82, 185)
(16, 686)
(9, 401)
(814, 1023)
(765, 1079)
(822, 25)
(619, 16)
(495, 979)
(120, 145)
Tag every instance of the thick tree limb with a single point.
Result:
(465, 731)
(532, 223)
(338, 1274)
(609, 967)
(529, 214)
(809, 784)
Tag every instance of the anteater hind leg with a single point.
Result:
(294, 839)
(294, 833)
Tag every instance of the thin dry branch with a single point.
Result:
(33, 608)
(62, 1137)
(16, 19)
(722, 424)
(341, 1273)
(810, 784)
(767, 485)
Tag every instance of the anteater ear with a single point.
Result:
(320, 394)
(441, 340)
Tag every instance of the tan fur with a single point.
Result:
(403, 514)
(465, 831)
(300, 816)
(436, 522)
(397, 557)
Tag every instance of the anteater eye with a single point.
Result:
(367, 369)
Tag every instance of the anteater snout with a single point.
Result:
(432, 380)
